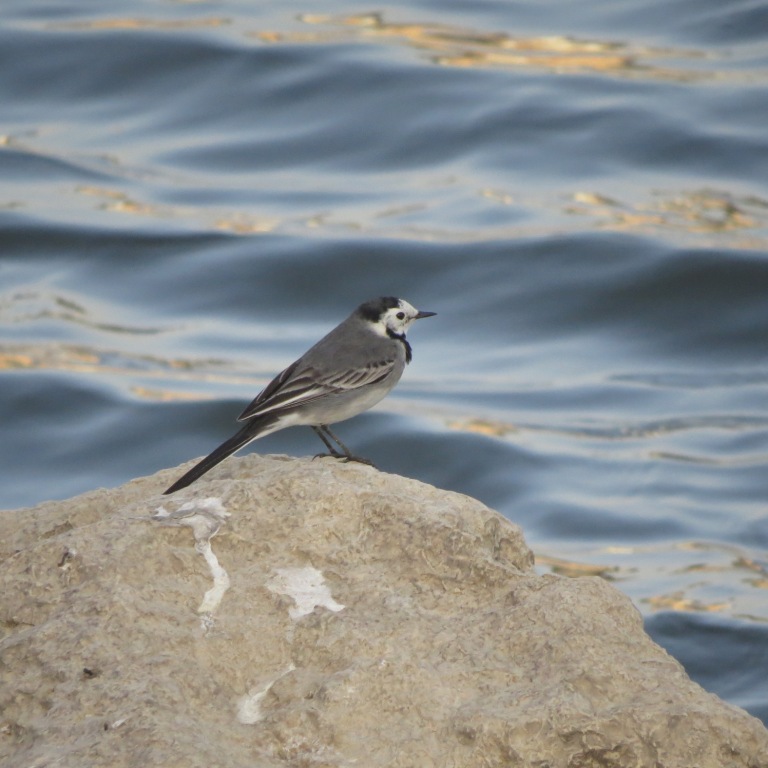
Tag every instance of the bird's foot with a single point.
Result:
(345, 458)
(328, 456)
(359, 460)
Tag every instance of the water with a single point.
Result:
(191, 193)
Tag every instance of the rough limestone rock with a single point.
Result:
(339, 617)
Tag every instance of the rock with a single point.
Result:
(284, 612)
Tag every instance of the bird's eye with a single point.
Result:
(401, 315)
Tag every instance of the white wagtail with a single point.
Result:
(345, 373)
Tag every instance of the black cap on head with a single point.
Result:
(373, 309)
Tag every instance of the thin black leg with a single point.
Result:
(348, 456)
(327, 430)
(331, 450)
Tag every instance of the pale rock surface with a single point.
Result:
(339, 617)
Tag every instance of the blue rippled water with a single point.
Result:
(191, 193)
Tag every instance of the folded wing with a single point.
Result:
(293, 388)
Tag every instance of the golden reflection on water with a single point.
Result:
(119, 202)
(485, 427)
(236, 223)
(83, 359)
(129, 23)
(701, 211)
(677, 601)
(157, 395)
(454, 46)
(699, 214)
(174, 379)
(574, 569)
(33, 306)
(720, 579)
(450, 46)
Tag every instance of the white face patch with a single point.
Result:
(397, 319)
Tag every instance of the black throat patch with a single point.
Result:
(401, 337)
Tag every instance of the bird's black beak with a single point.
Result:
(420, 314)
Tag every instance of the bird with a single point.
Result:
(347, 372)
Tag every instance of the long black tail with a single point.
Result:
(250, 431)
